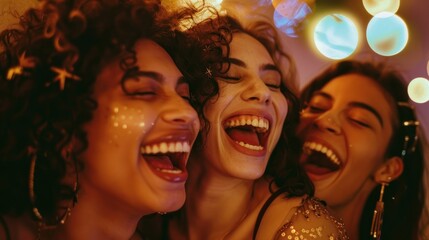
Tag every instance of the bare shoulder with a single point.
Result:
(279, 211)
(311, 220)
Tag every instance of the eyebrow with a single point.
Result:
(159, 77)
(355, 104)
(267, 66)
(237, 62)
(270, 66)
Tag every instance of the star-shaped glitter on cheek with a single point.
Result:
(62, 76)
(24, 62)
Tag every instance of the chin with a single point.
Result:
(249, 175)
(172, 202)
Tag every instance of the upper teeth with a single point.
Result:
(165, 147)
(323, 149)
(260, 123)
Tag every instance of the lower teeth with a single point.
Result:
(253, 147)
(175, 171)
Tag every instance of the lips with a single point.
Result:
(319, 159)
(167, 159)
(249, 133)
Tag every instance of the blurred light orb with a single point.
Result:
(427, 68)
(289, 14)
(418, 90)
(388, 7)
(387, 36)
(336, 36)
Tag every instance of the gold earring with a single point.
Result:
(377, 219)
(42, 224)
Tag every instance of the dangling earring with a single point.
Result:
(41, 221)
(377, 219)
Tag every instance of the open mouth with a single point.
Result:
(320, 159)
(167, 159)
(248, 131)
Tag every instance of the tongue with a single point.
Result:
(317, 170)
(318, 163)
(244, 135)
(162, 162)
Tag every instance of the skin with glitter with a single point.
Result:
(100, 120)
(155, 112)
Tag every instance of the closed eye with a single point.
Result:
(314, 109)
(182, 89)
(228, 78)
(140, 84)
(273, 86)
(361, 123)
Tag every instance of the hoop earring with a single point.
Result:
(377, 219)
(41, 221)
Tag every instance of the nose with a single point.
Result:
(257, 91)
(328, 122)
(179, 111)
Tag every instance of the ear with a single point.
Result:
(389, 170)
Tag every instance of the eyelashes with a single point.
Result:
(236, 79)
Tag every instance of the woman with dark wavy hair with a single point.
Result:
(363, 149)
(245, 181)
(96, 121)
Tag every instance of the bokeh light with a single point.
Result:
(375, 7)
(289, 14)
(336, 36)
(387, 36)
(427, 68)
(418, 90)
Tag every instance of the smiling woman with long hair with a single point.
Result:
(363, 149)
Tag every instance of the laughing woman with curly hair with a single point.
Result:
(96, 118)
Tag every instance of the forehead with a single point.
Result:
(150, 56)
(248, 49)
(358, 88)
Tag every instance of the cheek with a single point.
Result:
(126, 120)
(282, 107)
(365, 152)
(213, 108)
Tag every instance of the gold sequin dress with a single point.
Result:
(312, 220)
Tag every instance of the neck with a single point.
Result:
(95, 218)
(351, 213)
(216, 204)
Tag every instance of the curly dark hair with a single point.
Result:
(41, 116)
(404, 198)
(283, 166)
